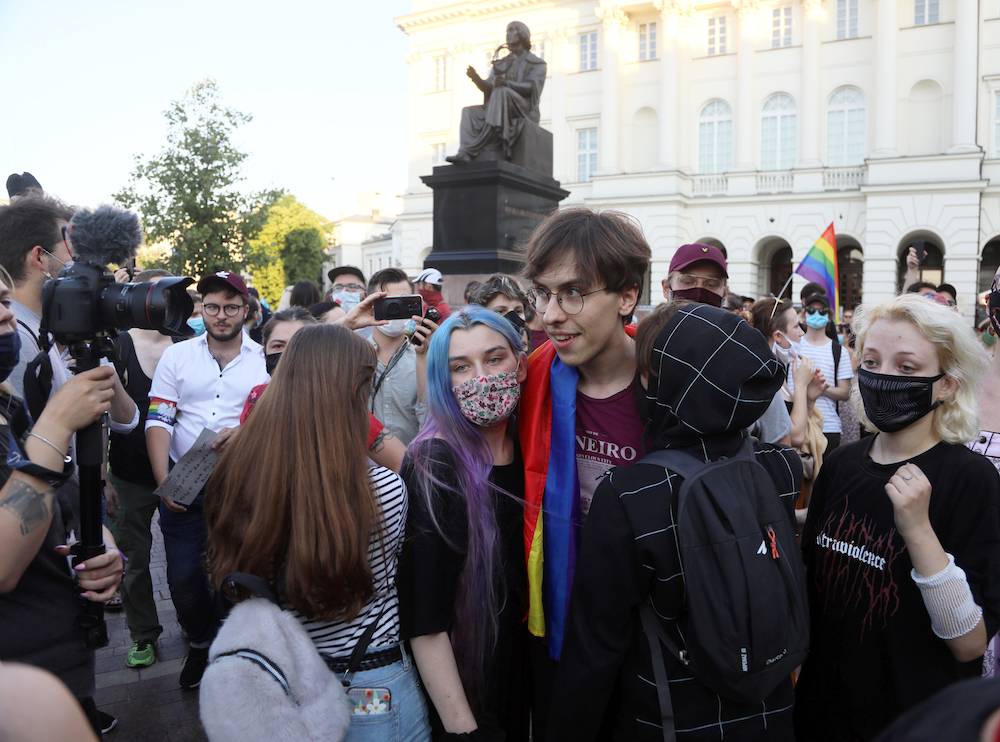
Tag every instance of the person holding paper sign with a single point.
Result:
(200, 383)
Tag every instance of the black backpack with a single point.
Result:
(745, 618)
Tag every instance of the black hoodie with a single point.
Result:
(712, 377)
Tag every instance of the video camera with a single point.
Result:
(84, 303)
(83, 309)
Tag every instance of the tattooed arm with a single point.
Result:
(26, 503)
(387, 450)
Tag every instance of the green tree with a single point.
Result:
(189, 195)
(289, 247)
(303, 255)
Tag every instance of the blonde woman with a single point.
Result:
(902, 539)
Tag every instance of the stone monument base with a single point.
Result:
(484, 212)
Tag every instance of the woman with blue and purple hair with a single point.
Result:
(462, 584)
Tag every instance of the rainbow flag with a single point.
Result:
(820, 265)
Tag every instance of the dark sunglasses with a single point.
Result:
(815, 310)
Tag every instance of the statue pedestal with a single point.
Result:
(484, 212)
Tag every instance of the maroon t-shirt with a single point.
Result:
(608, 433)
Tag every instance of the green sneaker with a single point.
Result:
(141, 654)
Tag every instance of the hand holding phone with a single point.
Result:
(398, 307)
(424, 328)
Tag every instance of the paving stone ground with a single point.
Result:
(149, 704)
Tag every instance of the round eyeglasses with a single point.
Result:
(570, 300)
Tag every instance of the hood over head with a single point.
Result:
(712, 376)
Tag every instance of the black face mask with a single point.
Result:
(896, 402)
(699, 295)
(271, 362)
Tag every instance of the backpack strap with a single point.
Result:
(838, 350)
(655, 635)
(264, 663)
(680, 462)
(124, 351)
(358, 653)
(256, 586)
(31, 332)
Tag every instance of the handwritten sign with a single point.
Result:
(190, 474)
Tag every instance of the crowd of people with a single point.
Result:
(528, 518)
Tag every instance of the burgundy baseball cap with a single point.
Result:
(696, 252)
(223, 280)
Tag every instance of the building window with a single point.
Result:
(847, 19)
(778, 133)
(781, 27)
(440, 73)
(845, 128)
(716, 35)
(586, 153)
(647, 41)
(437, 153)
(715, 137)
(588, 51)
(926, 11)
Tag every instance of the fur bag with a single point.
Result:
(266, 681)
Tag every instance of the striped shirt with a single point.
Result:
(338, 638)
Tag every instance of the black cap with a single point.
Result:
(345, 269)
(816, 298)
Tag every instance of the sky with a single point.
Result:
(85, 85)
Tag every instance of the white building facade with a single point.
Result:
(752, 124)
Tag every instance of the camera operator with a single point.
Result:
(399, 390)
(34, 246)
(132, 499)
(39, 593)
(200, 383)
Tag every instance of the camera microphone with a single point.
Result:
(107, 234)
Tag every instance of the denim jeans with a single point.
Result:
(131, 528)
(407, 719)
(184, 542)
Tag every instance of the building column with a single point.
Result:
(809, 105)
(613, 20)
(885, 80)
(963, 105)
(745, 113)
(667, 39)
(562, 162)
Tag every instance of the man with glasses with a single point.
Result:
(580, 406)
(34, 247)
(200, 383)
(698, 274)
(825, 355)
(348, 286)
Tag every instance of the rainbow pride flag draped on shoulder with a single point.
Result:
(547, 428)
(820, 265)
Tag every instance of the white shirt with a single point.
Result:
(190, 393)
(821, 357)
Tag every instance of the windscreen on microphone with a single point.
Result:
(108, 234)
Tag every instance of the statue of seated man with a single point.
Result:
(510, 95)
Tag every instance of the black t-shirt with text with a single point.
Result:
(430, 567)
(873, 654)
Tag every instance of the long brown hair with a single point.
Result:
(291, 499)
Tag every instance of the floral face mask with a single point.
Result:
(488, 400)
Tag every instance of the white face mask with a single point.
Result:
(394, 329)
(347, 299)
(785, 355)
